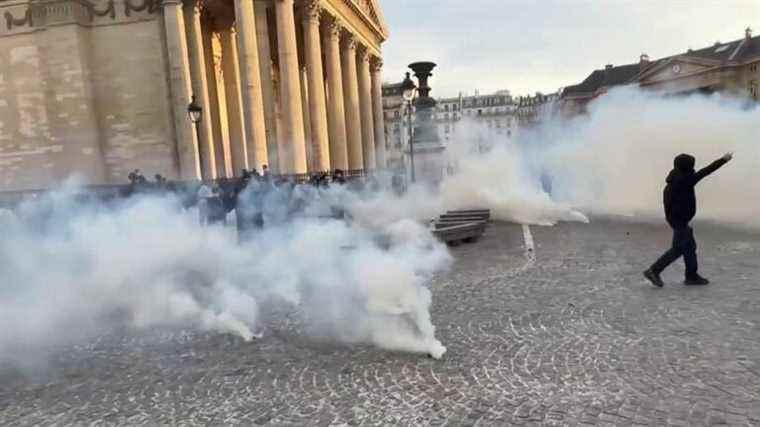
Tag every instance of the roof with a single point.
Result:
(737, 50)
(610, 76)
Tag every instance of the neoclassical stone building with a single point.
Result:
(101, 87)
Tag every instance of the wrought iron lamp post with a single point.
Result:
(409, 89)
(195, 113)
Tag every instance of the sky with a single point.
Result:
(542, 45)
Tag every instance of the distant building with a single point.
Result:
(532, 110)
(495, 111)
(396, 125)
(731, 68)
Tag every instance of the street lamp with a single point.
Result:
(409, 89)
(195, 113)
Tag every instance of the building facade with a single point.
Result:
(494, 112)
(732, 69)
(396, 119)
(102, 87)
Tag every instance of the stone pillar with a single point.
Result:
(216, 96)
(351, 102)
(235, 111)
(290, 89)
(316, 85)
(336, 115)
(365, 110)
(267, 86)
(252, 98)
(179, 83)
(310, 166)
(376, 66)
(200, 86)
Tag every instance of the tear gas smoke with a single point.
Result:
(613, 162)
(71, 270)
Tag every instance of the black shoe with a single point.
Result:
(654, 278)
(696, 280)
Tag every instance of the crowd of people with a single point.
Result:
(258, 199)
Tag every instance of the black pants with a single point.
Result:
(683, 245)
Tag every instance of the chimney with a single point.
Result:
(608, 67)
(748, 33)
(643, 59)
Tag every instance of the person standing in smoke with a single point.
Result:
(204, 193)
(680, 208)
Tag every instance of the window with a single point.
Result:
(753, 68)
(396, 114)
(753, 91)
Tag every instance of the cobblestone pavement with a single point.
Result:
(574, 337)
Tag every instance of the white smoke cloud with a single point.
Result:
(616, 160)
(71, 270)
(611, 162)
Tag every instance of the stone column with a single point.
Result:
(336, 115)
(252, 98)
(179, 83)
(290, 89)
(216, 96)
(351, 102)
(316, 85)
(233, 96)
(200, 86)
(310, 166)
(376, 66)
(365, 110)
(267, 86)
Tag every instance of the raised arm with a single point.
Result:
(712, 167)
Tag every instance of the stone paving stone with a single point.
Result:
(574, 337)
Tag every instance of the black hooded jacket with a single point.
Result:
(679, 198)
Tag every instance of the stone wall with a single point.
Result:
(133, 100)
(82, 93)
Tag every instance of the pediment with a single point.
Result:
(674, 68)
(371, 9)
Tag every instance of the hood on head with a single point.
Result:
(684, 163)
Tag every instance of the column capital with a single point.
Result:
(363, 51)
(349, 40)
(333, 28)
(312, 11)
(375, 64)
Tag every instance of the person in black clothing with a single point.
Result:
(680, 207)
